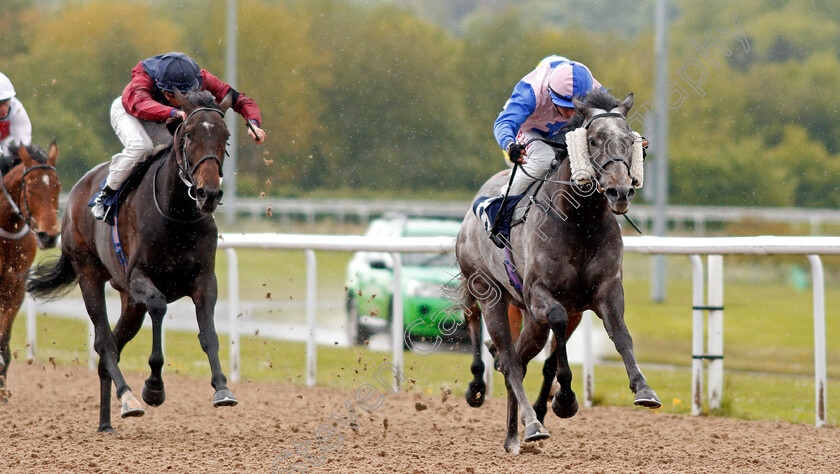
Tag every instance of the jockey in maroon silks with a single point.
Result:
(150, 97)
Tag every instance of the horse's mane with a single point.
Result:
(597, 99)
(13, 159)
(202, 99)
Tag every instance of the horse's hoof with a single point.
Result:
(131, 406)
(646, 397)
(535, 432)
(512, 445)
(153, 397)
(475, 393)
(564, 410)
(107, 429)
(224, 398)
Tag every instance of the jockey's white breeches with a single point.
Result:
(538, 156)
(137, 145)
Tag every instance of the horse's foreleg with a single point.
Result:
(609, 304)
(496, 318)
(144, 292)
(545, 305)
(477, 389)
(93, 294)
(205, 302)
(9, 306)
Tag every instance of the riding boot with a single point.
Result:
(100, 209)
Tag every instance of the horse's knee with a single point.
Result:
(156, 305)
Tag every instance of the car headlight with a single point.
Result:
(424, 289)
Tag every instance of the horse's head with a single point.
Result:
(201, 142)
(39, 190)
(610, 144)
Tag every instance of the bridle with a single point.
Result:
(184, 171)
(27, 219)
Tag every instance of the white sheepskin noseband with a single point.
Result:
(578, 148)
(581, 165)
(637, 162)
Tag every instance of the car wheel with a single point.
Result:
(357, 333)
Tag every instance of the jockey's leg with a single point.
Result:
(137, 147)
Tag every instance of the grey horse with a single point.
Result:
(568, 255)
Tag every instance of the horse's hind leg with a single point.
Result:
(131, 319)
(205, 302)
(105, 343)
(477, 389)
(609, 304)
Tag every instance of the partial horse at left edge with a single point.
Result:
(28, 218)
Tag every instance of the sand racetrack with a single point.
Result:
(50, 421)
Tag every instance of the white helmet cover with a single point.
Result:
(7, 90)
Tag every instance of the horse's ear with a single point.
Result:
(580, 106)
(172, 124)
(52, 157)
(226, 102)
(182, 101)
(626, 104)
(27, 160)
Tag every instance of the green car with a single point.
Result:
(427, 282)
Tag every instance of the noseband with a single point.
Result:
(184, 171)
(27, 219)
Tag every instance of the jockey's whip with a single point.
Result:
(504, 199)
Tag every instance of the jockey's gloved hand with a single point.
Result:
(516, 153)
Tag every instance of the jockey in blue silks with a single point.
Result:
(541, 105)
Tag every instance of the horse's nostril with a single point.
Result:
(611, 193)
(201, 193)
(631, 193)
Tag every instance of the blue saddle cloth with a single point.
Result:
(110, 200)
(487, 208)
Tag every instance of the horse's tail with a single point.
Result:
(52, 278)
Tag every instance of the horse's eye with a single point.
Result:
(591, 142)
(187, 135)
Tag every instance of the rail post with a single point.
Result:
(819, 339)
(715, 341)
(697, 332)
(233, 313)
(397, 321)
(311, 319)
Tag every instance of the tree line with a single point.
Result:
(376, 101)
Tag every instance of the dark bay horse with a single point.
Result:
(568, 256)
(28, 219)
(168, 236)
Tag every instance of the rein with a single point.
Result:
(27, 220)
